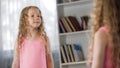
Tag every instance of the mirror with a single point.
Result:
(10, 14)
(74, 34)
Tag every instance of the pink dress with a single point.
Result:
(108, 54)
(33, 54)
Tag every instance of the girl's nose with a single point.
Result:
(36, 18)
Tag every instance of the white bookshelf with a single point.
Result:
(72, 33)
(74, 63)
(74, 2)
(77, 9)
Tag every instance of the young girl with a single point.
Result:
(105, 43)
(32, 49)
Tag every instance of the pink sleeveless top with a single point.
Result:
(32, 54)
(108, 55)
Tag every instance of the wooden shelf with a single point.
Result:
(71, 33)
(74, 2)
(73, 63)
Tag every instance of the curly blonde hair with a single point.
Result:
(107, 12)
(23, 30)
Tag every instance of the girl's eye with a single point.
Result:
(39, 16)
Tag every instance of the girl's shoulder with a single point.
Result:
(103, 33)
(104, 28)
(44, 38)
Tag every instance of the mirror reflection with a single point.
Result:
(74, 32)
(26, 26)
(76, 36)
(32, 42)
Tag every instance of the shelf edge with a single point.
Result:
(75, 2)
(73, 63)
(71, 33)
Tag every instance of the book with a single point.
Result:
(67, 52)
(72, 50)
(74, 23)
(62, 29)
(71, 53)
(84, 23)
(63, 54)
(62, 58)
(62, 24)
(67, 25)
(78, 54)
(70, 24)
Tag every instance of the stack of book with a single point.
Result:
(71, 24)
(71, 53)
(84, 22)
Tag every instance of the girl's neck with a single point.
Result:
(33, 34)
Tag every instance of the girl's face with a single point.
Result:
(34, 18)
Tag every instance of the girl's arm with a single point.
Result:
(49, 56)
(16, 63)
(100, 42)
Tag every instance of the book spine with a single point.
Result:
(70, 24)
(63, 54)
(61, 26)
(66, 50)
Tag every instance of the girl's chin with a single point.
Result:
(35, 26)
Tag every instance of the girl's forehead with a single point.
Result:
(33, 10)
